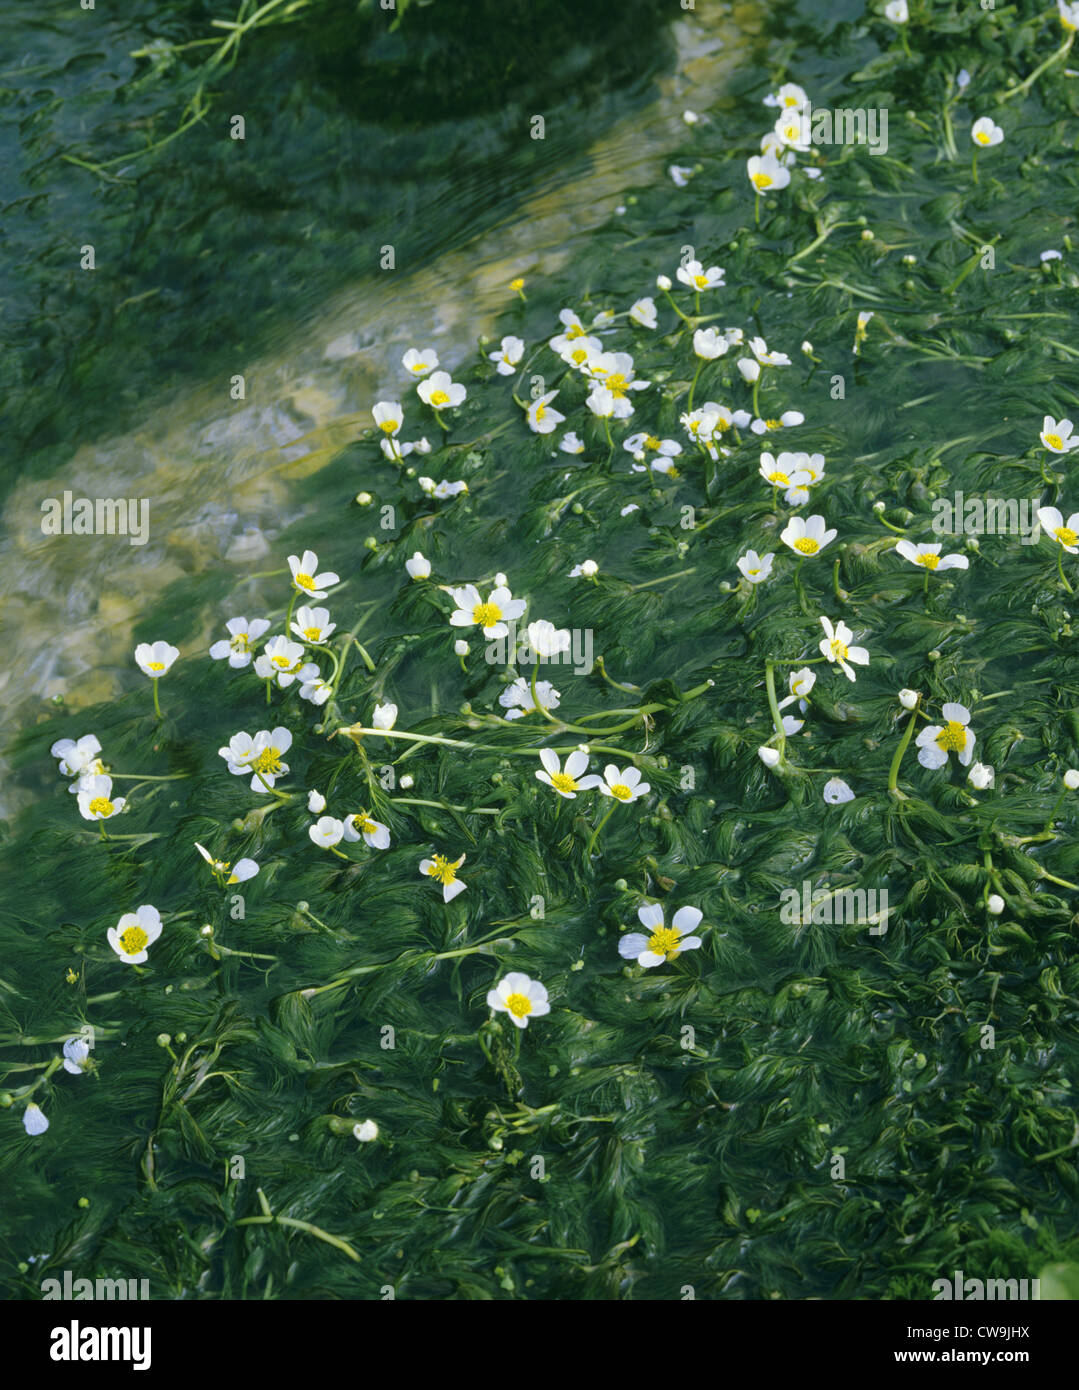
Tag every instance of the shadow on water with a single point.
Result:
(220, 474)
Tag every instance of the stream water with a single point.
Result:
(219, 474)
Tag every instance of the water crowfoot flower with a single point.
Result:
(313, 625)
(807, 535)
(33, 1119)
(154, 660)
(756, 568)
(444, 872)
(326, 832)
(135, 933)
(508, 355)
(78, 757)
(836, 791)
(517, 700)
(306, 578)
(520, 997)
(835, 647)
(567, 781)
(281, 660)
(238, 646)
(76, 1056)
(418, 567)
(420, 363)
(936, 741)
(625, 785)
(361, 827)
(661, 943)
(226, 873)
(440, 393)
(95, 798)
(486, 614)
(929, 556)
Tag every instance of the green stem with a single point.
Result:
(773, 705)
(904, 743)
(1060, 566)
(157, 707)
(599, 827)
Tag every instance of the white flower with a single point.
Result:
(766, 174)
(696, 277)
(313, 625)
(1051, 255)
(1071, 779)
(281, 660)
(622, 786)
(541, 418)
(445, 872)
(601, 402)
(756, 568)
(240, 873)
(241, 639)
(546, 640)
(929, 556)
(1069, 15)
(982, 776)
(261, 755)
(792, 130)
(460, 648)
(361, 827)
(418, 567)
(587, 569)
(517, 701)
(661, 943)
(567, 782)
(155, 659)
(316, 802)
(709, 343)
(642, 443)
(663, 282)
(1057, 435)
(896, 11)
(76, 1055)
(937, 741)
(33, 1119)
(784, 471)
(95, 798)
(690, 117)
(77, 758)
(521, 998)
(384, 717)
(680, 174)
(765, 357)
(508, 355)
(908, 698)
(835, 647)
(366, 1132)
(643, 312)
(440, 393)
(389, 416)
(420, 363)
(326, 832)
(312, 686)
(836, 791)
(807, 535)
(1066, 532)
(487, 614)
(749, 369)
(784, 421)
(306, 578)
(994, 904)
(570, 444)
(443, 489)
(768, 756)
(984, 132)
(135, 933)
(790, 94)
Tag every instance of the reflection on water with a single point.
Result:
(218, 474)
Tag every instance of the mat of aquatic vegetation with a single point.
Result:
(791, 1110)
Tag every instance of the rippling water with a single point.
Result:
(220, 474)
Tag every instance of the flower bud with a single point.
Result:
(995, 905)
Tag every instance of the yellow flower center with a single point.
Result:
(621, 791)
(701, 281)
(281, 662)
(563, 782)
(313, 634)
(155, 665)
(778, 479)
(1065, 535)
(762, 180)
(439, 398)
(304, 581)
(575, 331)
(387, 427)
(664, 942)
(541, 411)
(953, 737)
(982, 137)
(101, 806)
(240, 643)
(750, 573)
(133, 940)
(364, 824)
(929, 561)
(519, 1005)
(517, 284)
(616, 384)
(486, 614)
(269, 760)
(651, 442)
(774, 424)
(807, 545)
(1054, 441)
(442, 869)
(838, 649)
